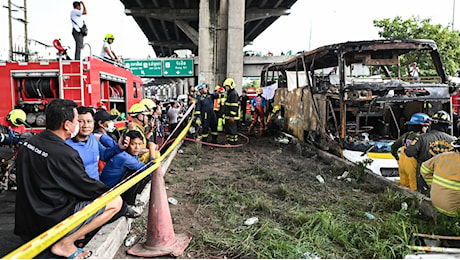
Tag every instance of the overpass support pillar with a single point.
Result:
(221, 40)
(235, 41)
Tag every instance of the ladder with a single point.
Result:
(72, 83)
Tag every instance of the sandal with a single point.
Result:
(131, 213)
(139, 203)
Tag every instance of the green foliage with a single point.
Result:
(448, 41)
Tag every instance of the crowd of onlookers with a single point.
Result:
(78, 157)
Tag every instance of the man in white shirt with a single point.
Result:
(107, 52)
(78, 10)
(173, 114)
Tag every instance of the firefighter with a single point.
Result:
(219, 103)
(275, 120)
(140, 116)
(11, 126)
(427, 145)
(417, 125)
(205, 115)
(442, 175)
(258, 107)
(231, 111)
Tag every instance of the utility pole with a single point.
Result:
(453, 16)
(26, 40)
(10, 26)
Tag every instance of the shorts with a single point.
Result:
(80, 205)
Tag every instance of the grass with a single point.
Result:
(288, 229)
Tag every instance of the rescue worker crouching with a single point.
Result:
(275, 120)
(442, 175)
(205, 115)
(417, 125)
(258, 106)
(219, 103)
(427, 145)
(231, 112)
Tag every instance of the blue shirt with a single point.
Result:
(116, 168)
(91, 151)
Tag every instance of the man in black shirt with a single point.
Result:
(243, 104)
(53, 184)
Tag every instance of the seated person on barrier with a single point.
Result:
(53, 184)
(89, 147)
(104, 128)
(124, 164)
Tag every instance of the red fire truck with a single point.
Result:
(91, 82)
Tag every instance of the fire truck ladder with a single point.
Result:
(70, 81)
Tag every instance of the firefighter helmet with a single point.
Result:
(276, 108)
(229, 82)
(109, 36)
(16, 114)
(148, 103)
(137, 109)
(441, 117)
(419, 119)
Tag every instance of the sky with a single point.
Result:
(311, 24)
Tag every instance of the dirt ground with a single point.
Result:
(294, 165)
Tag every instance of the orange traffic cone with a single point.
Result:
(160, 239)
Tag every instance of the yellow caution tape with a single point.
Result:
(49, 237)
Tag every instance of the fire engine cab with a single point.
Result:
(90, 82)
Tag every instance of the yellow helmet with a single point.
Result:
(216, 88)
(276, 108)
(259, 91)
(148, 103)
(16, 114)
(137, 109)
(109, 36)
(229, 82)
(114, 111)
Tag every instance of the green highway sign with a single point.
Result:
(145, 68)
(178, 67)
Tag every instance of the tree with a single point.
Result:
(448, 41)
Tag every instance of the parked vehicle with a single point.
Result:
(354, 98)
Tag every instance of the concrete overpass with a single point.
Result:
(215, 31)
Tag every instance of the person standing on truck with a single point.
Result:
(442, 175)
(53, 184)
(77, 24)
(258, 107)
(417, 125)
(231, 112)
(205, 115)
(427, 145)
(107, 53)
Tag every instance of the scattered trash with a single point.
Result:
(343, 176)
(348, 179)
(369, 215)
(404, 206)
(189, 169)
(130, 240)
(282, 140)
(251, 221)
(431, 242)
(180, 151)
(308, 255)
(172, 200)
(320, 178)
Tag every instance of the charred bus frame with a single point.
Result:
(356, 96)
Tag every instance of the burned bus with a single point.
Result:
(354, 98)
